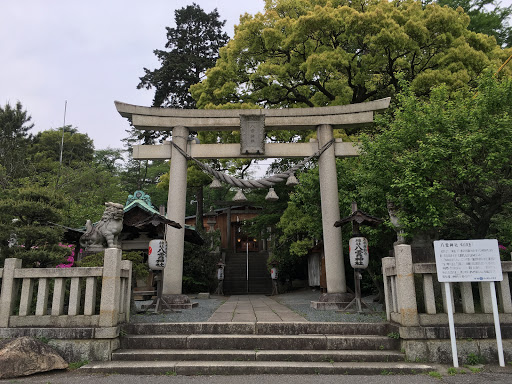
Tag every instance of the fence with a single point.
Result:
(67, 297)
(414, 297)
(417, 302)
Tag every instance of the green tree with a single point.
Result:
(14, 140)
(193, 47)
(27, 215)
(109, 159)
(446, 162)
(200, 264)
(77, 148)
(486, 16)
(315, 53)
(84, 182)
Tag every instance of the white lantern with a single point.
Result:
(220, 273)
(358, 250)
(157, 255)
(273, 273)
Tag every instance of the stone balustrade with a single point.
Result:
(417, 302)
(415, 297)
(62, 304)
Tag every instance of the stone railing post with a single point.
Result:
(127, 294)
(9, 291)
(406, 292)
(110, 288)
(388, 262)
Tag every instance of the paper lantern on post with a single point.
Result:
(220, 271)
(157, 255)
(358, 250)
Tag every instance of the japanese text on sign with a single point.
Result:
(468, 260)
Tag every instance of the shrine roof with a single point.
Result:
(359, 217)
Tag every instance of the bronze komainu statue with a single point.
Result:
(106, 231)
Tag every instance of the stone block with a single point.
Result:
(111, 288)
(85, 349)
(106, 333)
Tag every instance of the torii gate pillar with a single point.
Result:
(334, 266)
(176, 204)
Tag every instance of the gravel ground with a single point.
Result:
(200, 313)
(298, 301)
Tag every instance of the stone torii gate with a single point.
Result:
(252, 123)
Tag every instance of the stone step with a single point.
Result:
(260, 328)
(254, 355)
(260, 342)
(252, 368)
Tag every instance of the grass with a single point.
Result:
(452, 371)
(43, 339)
(473, 359)
(435, 375)
(473, 369)
(385, 372)
(394, 335)
(77, 364)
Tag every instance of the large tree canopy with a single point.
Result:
(193, 48)
(486, 16)
(318, 52)
(445, 162)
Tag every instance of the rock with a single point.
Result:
(25, 356)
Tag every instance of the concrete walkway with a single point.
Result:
(254, 308)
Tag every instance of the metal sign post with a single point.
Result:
(469, 261)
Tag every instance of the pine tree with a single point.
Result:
(193, 47)
(14, 139)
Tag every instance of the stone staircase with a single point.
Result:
(257, 348)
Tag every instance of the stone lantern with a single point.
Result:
(211, 219)
(358, 245)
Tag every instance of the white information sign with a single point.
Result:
(473, 261)
(468, 260)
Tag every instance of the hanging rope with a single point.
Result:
(261, 183)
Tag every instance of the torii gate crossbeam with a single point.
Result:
(181, 122)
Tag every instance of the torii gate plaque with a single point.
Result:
(180, 121)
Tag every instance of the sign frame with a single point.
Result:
(461, 261)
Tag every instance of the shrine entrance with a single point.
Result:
(252, 125)
(246, 269)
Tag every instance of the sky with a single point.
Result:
(89, 54)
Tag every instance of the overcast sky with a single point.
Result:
(89, 53)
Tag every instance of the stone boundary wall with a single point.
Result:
(417, 302)
(71, 320)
